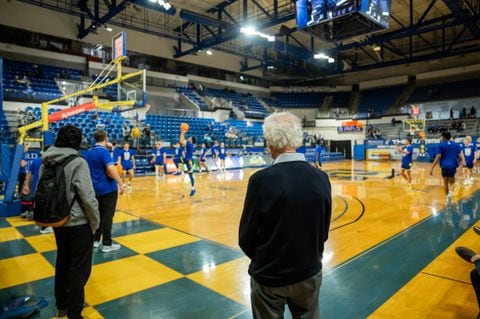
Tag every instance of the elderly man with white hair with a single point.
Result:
(284, 226)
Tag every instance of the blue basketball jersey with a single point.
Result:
(126, 158)
(189, 149)
(469, 153)
(407, 159)
(159, 154)
(449, 151)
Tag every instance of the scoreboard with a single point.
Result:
(341, 19)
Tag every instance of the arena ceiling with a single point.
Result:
(420, 30)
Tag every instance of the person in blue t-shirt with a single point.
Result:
(470, 153)
(222, 155)
(159, 159)
(126, 159)
(115, 151)
(318, 154)
(407, 160)
(189, 145)
(31, 181)
(450, 156)
(23, 169)
(203, 158)
(105, 179)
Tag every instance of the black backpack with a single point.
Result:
(51, 206)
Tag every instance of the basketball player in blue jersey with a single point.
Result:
(318, 154)
(177, 159)
(469, 152)
(203, 158)
(450, 156)
(407, 160)
(115, 151)
(159, 159)
(214, 152)
(222, 154)
(126, 159)
(189, 149)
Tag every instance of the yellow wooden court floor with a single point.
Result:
(390, 252)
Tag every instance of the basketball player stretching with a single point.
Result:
(189, 149)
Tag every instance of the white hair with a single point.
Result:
(283, 130)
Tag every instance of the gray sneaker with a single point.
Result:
(112, 247)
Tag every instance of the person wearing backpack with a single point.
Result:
(71, 193)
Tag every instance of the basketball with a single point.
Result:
(119, 169)
(184, 127)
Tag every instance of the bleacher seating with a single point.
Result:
(167, 128)
(379, 100)
(309, 100)
(6, 135)
(112, 122)
(297, 100)
(192, 95)
(340, 100)
(447, 91)
(249, 104)
(252, 130)
(42, 80)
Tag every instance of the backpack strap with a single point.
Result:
(62, 165)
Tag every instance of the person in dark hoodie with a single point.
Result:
(74, 239)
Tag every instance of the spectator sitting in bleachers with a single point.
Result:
(473, 112)
(458, 126)
(147, 136)
(37, 71)
(65, 74)
(18, 80)
(125, 132)
(21, 117)
(30, 118)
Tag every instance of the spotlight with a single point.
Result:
(208, 52)
(249, 30)
(321, 56)
(109, 29)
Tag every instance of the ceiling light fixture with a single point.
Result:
(249, 30)
(323, 56)
(209, 52)
(109, 29)
(165, 4)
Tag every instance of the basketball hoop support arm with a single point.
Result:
(104, 105)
